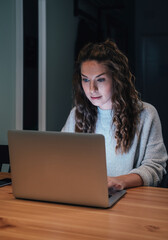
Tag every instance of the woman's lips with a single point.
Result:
(95, 98)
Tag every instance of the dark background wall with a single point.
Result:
(151, 55)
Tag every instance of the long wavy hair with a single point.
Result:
(125, 100)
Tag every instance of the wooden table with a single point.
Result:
(141, 214)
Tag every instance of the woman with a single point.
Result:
(106, 102)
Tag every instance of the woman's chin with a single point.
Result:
(95, 103)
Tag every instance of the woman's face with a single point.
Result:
(97, 84)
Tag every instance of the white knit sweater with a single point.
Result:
(147, 155)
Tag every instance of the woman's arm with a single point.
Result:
(151, 148)
(124, 181)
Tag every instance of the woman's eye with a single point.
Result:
(101, 79)
(85, 80)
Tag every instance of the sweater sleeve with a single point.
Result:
(153, 155)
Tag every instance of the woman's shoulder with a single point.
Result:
(73, 110)
(149, 113)
(148, 109)
(72, 113)
(70, 123)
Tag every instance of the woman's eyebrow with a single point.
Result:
(96, 76)
(83, 75)
(100, 74)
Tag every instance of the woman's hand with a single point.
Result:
(124, 181)
(115, 183)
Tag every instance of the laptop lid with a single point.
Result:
(60, 167)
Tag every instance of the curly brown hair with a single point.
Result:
(125, 100)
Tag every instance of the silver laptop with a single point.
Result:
(60, 167)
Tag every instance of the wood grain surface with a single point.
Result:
(141, 214)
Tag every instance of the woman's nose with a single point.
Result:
(93, 87)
